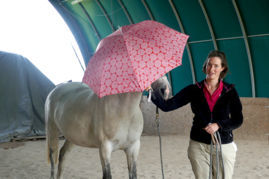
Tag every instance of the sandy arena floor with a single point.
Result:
(27, 160)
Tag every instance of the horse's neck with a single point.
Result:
(131, 99)
(124, 101)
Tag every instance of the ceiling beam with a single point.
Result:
(126, 12)
(90, 21)
(105, 14)
(187, 45)
(209, 25)
(152, 18)
(228, 38)
(71, 20)
(147, 9)
(247, 48)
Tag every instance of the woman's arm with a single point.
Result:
(180, 99)
(236, 117)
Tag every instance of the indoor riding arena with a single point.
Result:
(240, 28)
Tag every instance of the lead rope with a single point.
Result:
(157, 120)
(216, 140)
(223, 169)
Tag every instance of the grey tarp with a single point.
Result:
(23, 91)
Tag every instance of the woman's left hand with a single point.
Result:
(212, 128)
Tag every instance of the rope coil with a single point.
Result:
(216, 140)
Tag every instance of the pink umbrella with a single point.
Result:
(133, 57)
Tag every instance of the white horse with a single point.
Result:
(114, 122)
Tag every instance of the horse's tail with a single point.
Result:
(52, 135)
(52, 141)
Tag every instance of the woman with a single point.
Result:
(217, 109)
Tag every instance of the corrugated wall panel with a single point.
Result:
(74, 22)
(83, 22)
(238, 63)
(193, 19)
(115, 13)
(260, 52)
(223, 18)
(136, 10)
(162, 12)
(98, 18)
(181, 76)
(255, 15)
(200, 52)
(242, 35)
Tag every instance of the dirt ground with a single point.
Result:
(28, 160)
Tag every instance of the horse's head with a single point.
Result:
(163, 87)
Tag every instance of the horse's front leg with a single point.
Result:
(105, 151)
(132, 154)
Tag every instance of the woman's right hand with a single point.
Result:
(148, 88)
(212, 128)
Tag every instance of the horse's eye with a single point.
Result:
(162, 90)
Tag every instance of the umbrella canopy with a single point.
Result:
(133, 57)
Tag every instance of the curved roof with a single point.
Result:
(240, 28)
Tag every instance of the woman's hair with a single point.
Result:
(224, 63)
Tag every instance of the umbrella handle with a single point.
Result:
(149, 97)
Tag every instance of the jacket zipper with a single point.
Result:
(211, 112)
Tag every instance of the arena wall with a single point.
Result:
(255, 125)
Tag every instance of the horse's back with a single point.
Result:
(86, 120)
(69, 106)
(69, 92)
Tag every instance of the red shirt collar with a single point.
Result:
(212, 99)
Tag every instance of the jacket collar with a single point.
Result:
(226, 86)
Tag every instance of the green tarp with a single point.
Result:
(23, 91)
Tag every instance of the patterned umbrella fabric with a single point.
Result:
(133, 57)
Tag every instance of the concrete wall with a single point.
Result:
(255, 126)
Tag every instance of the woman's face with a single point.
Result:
(214, 68)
